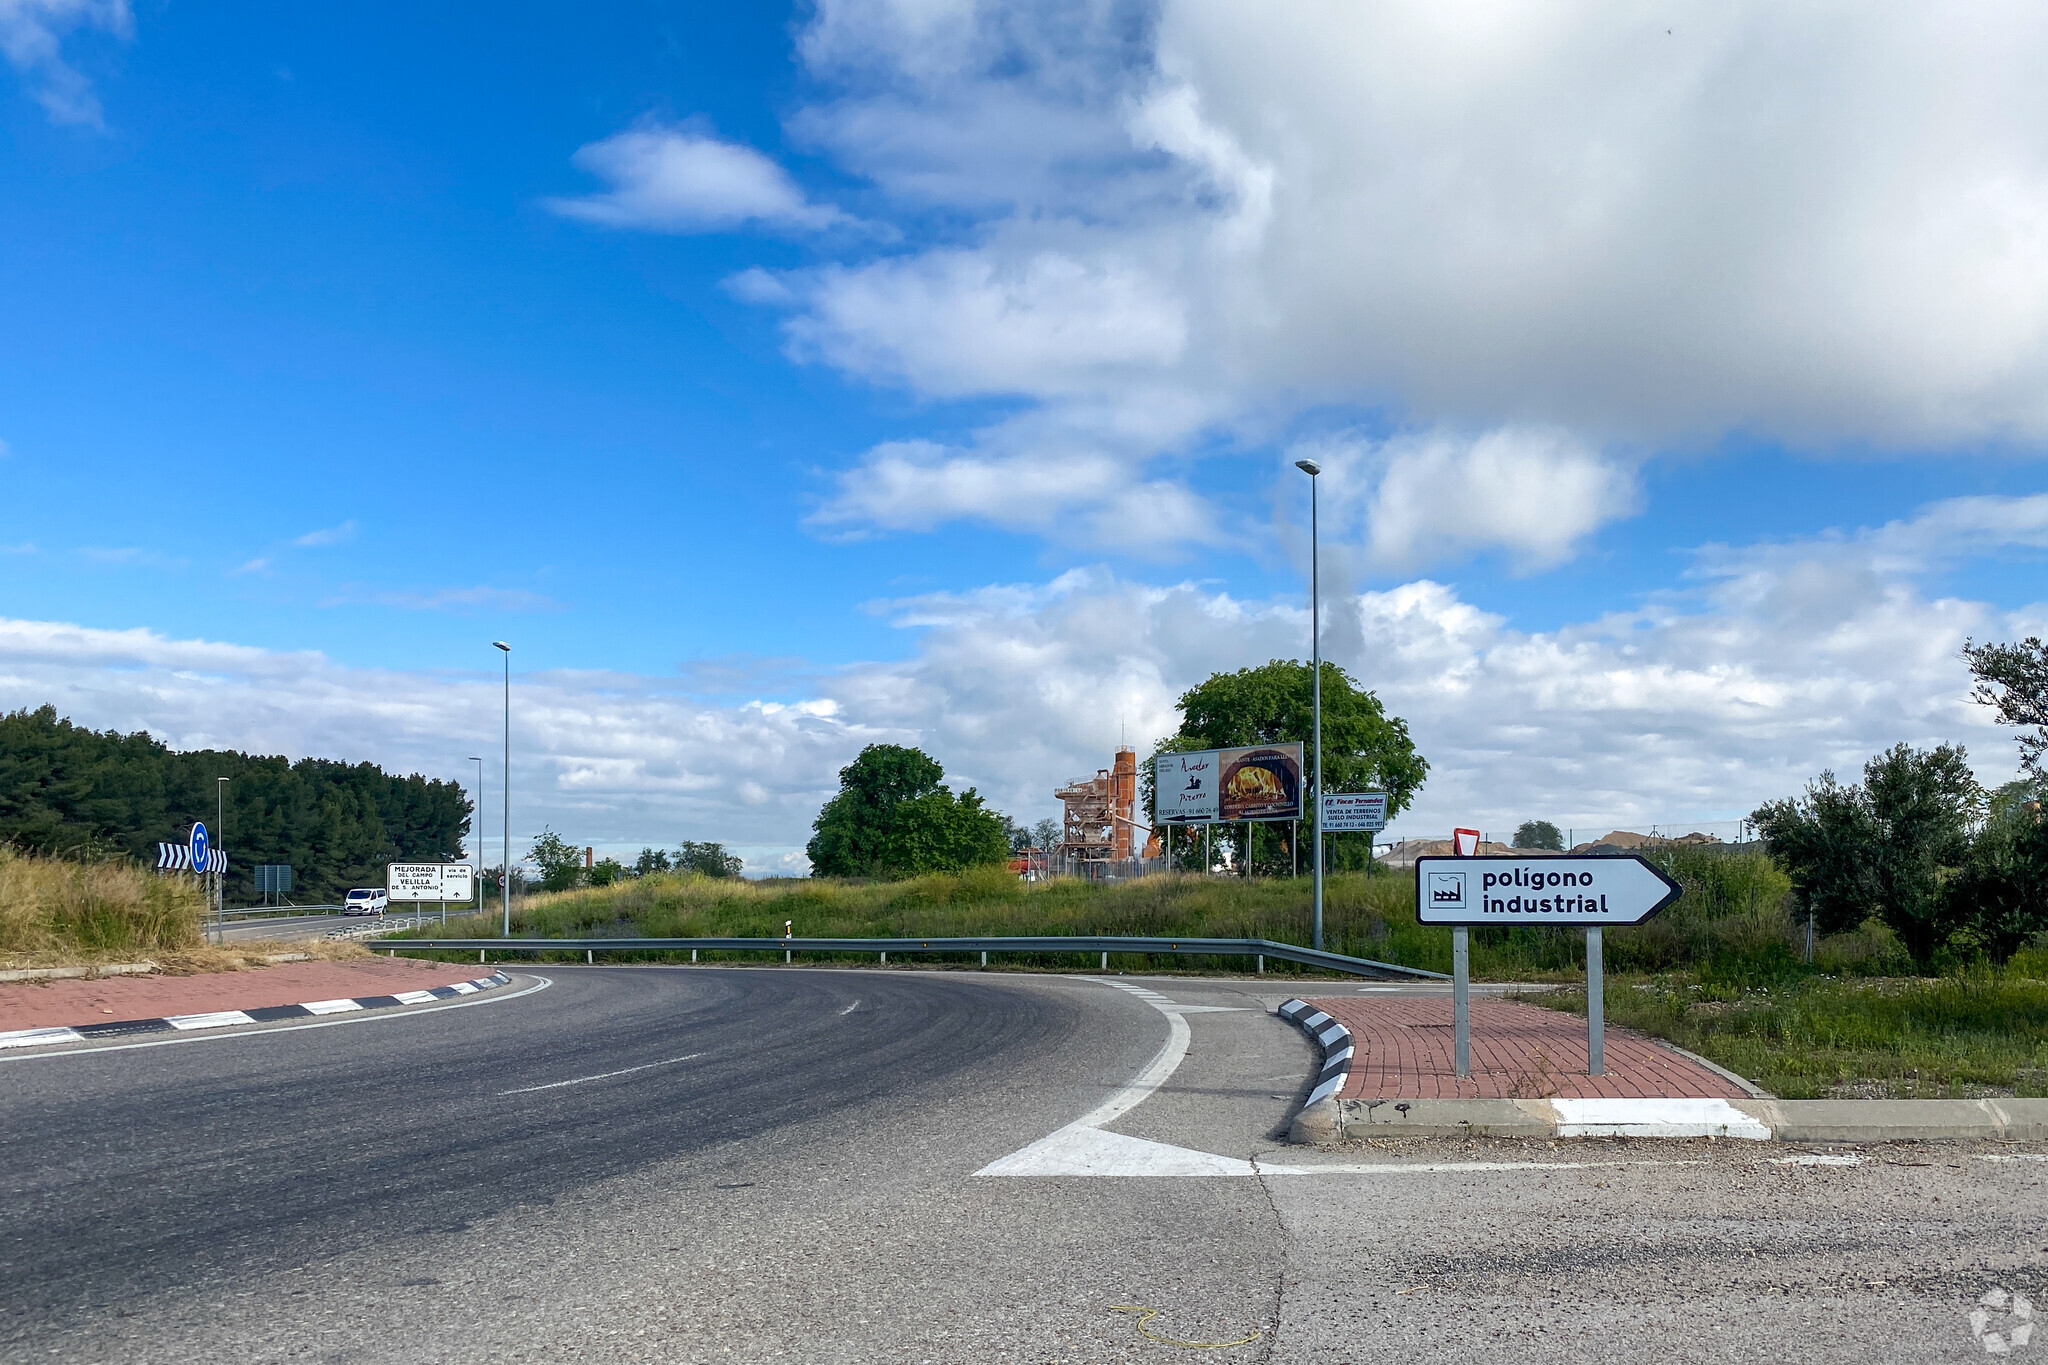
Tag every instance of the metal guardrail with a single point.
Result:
(1201, 947)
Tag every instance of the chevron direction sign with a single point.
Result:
(178, 858)
(1584, 892)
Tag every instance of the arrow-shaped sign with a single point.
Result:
(1577, 891)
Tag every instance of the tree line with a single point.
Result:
(75, 792)
(1954, 870)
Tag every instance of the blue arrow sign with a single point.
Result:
(198, 847)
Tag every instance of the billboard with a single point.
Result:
(1261, 782)
(1354, 812)
(430, 881)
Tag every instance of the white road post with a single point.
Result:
(1596, 1007)
(1461, 1000)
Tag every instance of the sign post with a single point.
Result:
(1589, 893)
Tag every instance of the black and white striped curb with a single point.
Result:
(178, 858)
(1335, 1041)
(187, 1023)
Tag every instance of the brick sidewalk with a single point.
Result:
(1519, 1052)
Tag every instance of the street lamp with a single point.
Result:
(1315, 629)
(479, 832)
(507, 803)
(220, 836)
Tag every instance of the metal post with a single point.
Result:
(479, 832)
(1596, 1008)
(984, 959)
(1315, 629)
(507, 803)
(220, 834)
(1105, 962)
(1461, 1000)
(1262, 964)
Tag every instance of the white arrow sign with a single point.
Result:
(1577, 891)
(417, 882)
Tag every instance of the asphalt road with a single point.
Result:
(773, 1164)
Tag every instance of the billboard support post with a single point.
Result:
(1596, 1005)
(1461, 999)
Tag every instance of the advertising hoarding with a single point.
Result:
(1258, 782)
(1354, 812)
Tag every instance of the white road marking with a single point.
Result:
(600, 1076)
(214, 1019)
(1656, 1118)
(1447, 1167)
(331, 1006)
(1819, 1159)
(371, 1017)
(849, 1009)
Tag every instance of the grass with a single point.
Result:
(1979, 1033)
(55, 912)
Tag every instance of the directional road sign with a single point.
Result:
(197, 845)
(430, 881)
(1576, 891)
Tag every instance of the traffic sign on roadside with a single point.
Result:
(421, 882)
(1558, 891)
(197, 845)
(1354, 812)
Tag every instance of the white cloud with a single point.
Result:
(330, 535)
(1425, 497)
(1778, 661)
(31, 38)
(1815, 224)
(258, 565)
(673, 180)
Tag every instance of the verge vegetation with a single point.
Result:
(58, 912)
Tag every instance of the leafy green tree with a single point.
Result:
(1365, 749)
(1046, 834)
(2013, 680)
(1884, 848)
(561, 866)
(651, 860)
(709, 859)
(605, 872)
(1539, 834)
(893, 818)
(2001, 892)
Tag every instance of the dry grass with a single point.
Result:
(55, 912)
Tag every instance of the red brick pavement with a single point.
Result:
(1403, 1050)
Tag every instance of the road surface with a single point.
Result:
(770, 1164)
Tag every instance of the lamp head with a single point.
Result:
(502, 645)
(1308, 467)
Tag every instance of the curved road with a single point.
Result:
(775, 1164)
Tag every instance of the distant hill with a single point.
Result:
(68, 790)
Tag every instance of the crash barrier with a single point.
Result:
(1196, 947)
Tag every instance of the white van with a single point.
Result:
(368, 900)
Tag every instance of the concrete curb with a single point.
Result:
(187, 1023)
(1335, 1041)
(1755, 1120)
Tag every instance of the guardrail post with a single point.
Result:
(1262, 964)
(1105, 962)
(984, 958)
(885, 957)
(693, 954)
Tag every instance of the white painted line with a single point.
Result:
(215, 1019)
(1656, 1118)
(330, 1006)
(32, 1037)
(464, 988)
(414, 997)
(600, 1076)
(368, 1017)
(1819, 1159)
(849, 1009)
(1446, 1167)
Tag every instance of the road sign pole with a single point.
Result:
(1596, 1007)
(1461, 1000)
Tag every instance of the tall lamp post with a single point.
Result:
(507, 803)
(220, 834)
(1315, 629)
(479, 832)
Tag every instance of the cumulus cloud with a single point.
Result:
(1812, 224)
(674, 180)
(1421, 498)
(1774, 662)
(31, 38)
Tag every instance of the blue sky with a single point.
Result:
(780, 380)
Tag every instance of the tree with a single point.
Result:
(2013, 680)
(1884, 848)
(561, 867)
(892, 817)
(2001, 893)
(1046, 834)
(1539, 834)
(711, 860)
(650, 861)
(1365, 749)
